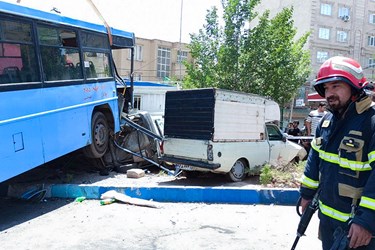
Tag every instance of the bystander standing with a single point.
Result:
(294, 131)
(314, 118)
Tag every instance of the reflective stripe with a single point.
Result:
(333, 213)
(367, 202)
(313, 145)
(343, 162)
(371, 156)
(333, 158)
(354, 165)
(309, 182)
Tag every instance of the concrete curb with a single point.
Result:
(287, 196)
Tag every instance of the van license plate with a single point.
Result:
(185, 167)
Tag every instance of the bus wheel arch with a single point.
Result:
(239, 170)
(101, 127)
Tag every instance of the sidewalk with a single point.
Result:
(164, 188)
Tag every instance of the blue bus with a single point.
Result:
(57, 87)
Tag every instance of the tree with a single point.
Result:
(204, 49)
(264, 59)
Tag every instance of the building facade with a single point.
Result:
(154, 60)
(338, 28)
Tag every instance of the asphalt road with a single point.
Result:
(66, 224)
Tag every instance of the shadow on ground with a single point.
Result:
(17, 211)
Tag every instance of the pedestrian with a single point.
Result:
(314, 117)
(305, 142)
(290, 126)
(341, 161)
(294, 131)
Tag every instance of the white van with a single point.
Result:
(224, 132)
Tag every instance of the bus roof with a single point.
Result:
(121, 39)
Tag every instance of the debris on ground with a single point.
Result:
(112, 194)
(107, 201)
(80, 199)
(135, 173)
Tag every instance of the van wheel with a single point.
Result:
(238, 171)
(99, 136)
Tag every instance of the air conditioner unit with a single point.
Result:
(345, 18)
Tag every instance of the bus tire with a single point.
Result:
(99, 136)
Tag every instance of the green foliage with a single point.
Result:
(265, 59)
(282, 176)
(265, 176)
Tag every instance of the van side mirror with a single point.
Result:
(284, 138)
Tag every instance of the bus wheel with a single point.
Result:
(99, 136)
(238, 171)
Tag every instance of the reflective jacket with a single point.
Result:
(341, 163)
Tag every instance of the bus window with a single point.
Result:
(17, 54)
(97, 65)
(97, 41)
(60, 54)
(96, 55)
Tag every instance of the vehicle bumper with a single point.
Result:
(199, 164)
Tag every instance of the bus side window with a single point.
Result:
(17, 52)
(96, 55)
(60, 53)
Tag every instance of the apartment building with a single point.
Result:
(338, 28)
(154, 60)
(341, 27)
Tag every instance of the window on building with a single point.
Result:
(138, 53)
(138, 77)
(371, 62)
(371, 40)
(181, 56)
(344, 12)
(324, 33)
(342, 36)
(372, 18)
(326, 9)
(163, 62)
(137, 102)
(321, 56)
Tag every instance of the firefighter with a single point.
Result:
(341, 161)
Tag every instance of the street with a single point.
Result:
(66, 224)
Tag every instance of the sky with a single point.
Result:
(151, 19)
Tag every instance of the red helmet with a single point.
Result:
(340, 68)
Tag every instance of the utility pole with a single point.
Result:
(180, 52)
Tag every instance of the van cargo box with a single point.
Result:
(217, 115)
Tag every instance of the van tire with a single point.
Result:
(238, 171)
(99, 136)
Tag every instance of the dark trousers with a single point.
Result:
(326, 235)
